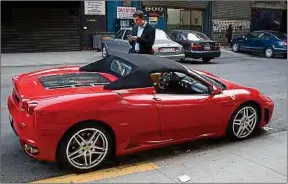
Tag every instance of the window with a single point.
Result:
(178, 83)
(280, 36)
(180, 37)
(119, 34)
(161, 35)
(120, 68)
(197, 36)
(265, 36)
(173, 35)
(184, 19)
(128, 32)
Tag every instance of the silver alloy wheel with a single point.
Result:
(268, 52)
(235, 47)
(87, 148)
(244, 122)
(104, 52)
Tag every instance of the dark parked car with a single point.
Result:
(270, 43)
(196, 44)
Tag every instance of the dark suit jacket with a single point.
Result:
(146, 41)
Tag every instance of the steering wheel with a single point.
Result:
(165, 80)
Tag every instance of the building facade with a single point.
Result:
(50, 26)
(246, 16)
(169, 15)
(70, 26)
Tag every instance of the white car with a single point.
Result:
(163, 46)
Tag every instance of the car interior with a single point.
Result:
(177, 83)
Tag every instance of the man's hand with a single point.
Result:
(134, 38)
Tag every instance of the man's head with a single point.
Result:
(138, 17)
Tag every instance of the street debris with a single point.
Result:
(267, 128)
(184, 178)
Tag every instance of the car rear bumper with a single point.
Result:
(173, 57)
(203, 54)
(29, 139)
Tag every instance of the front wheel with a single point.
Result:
(104, 51)
(235, 47)
(85, 147)
(243, 122)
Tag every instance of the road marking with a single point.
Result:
(101, 174)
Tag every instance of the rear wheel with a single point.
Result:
(243, 122)
(85, 147)
(269, 52)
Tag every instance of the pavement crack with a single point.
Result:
(250, 160)
(157, 169)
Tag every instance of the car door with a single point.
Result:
(143, 122)
(262, 41)
(115, 44)
(190, 115)
(124, 43)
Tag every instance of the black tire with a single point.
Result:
(235, 47)
(61, 153)
(206, 60)
(267, 52)
(230, 130)
(103, 50)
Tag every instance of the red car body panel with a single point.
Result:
(138, 117)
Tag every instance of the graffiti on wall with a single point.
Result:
(222, 25)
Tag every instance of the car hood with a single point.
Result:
(57, 82)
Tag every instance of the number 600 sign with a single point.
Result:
(154, 9)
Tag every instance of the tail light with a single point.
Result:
(153, 51)
(196, 46)
(28, 106)
(285, 43)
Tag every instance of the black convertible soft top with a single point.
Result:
(140, 66)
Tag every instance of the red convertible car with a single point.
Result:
(81, 116)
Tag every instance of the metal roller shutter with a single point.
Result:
(230, 12)
(40, 26)
(178, 4)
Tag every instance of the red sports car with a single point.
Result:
(81, 116)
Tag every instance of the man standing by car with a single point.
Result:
(143, 35)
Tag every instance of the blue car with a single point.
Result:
(271, 43)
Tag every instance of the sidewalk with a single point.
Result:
(262, 159)
(256, 160)
(48, 58)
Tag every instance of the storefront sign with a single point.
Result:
(125, 12)
(94, 7)
(270, 4)
(154, 11)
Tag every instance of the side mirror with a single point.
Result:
(215, 90)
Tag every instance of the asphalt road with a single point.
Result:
(268, 75)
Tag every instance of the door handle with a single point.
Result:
(157, 99)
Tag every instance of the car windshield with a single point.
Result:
(161, 35)
(197, 36)
(280, 35)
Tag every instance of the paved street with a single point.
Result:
(268, 75)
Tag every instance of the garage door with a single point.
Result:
(40, 26)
